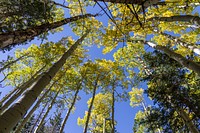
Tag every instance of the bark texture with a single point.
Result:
(21, 89)
(179, 58)
(182, 43)
(90, 108)
(183, 18)
(19, 128)
(11, 116)
(20, 36)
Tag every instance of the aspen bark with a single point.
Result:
(179, 58)
(183, 18)
(182, 43)
(90, 108)
(19, 128)
(20, 36)
(21, 89)
(8, 96)
(11, 116)
(47, 112)
(69, 111)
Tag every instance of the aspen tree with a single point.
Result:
(179, 58)
(17, 111)
(21, 89)
(90, 107)
(20, 36)
(47, 112)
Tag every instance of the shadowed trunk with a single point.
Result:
(21, 89)
(20, 36)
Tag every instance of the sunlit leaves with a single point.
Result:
(136, 97)
(101, 111)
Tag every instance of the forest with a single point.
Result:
(149, 58)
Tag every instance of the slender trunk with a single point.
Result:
(47, 112)
(21, 89)
(37, 120)
(164, 3)
(20, 36)
(147, 71)
(139, 2)
(187, 120)
(179, 58)
(19, 128)
(11, 116)
(113, 109)
(90, 108)
(8, 96)
(183, 18)
(12, 62)
(182, 43)
(69, 111)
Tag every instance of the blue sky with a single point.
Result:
(124, 114)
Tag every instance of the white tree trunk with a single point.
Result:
(179, 58)
(11, 116)
(182, 43)
(21, 89)
(19, 128)
(183, 18)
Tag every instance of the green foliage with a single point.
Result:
(22, 14)
(168, 86)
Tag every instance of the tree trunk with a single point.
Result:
(7, 96)
(69, 111)
(11, 116)
(139, 2)
(19, 128)
(90, 108)
(113, 109)
(183, 18)
(20, 36)
(179, 58)
(188, 121)
(21, 90)
(182, 43)
(37, 120)
(47, 112)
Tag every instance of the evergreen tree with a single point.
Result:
(169, 85)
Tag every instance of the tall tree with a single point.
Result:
(20, 108)
(174, 96)
(19, 36)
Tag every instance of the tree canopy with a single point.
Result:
(155, 54)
